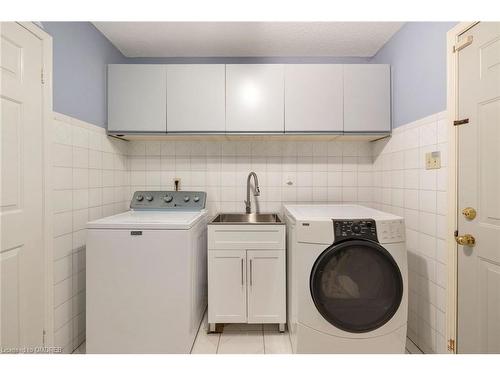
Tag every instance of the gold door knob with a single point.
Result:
(466, 240)
(469, 213)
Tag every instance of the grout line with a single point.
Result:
(218, 343)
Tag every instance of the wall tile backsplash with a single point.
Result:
(95, 176)
(287, 171)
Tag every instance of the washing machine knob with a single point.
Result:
(196, 198)
(167, 198)
(139, 198)
(186, 198)
(149, 198)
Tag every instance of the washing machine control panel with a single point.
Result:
(169, 200)
(359, 228)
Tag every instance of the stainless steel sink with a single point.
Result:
(252, 218)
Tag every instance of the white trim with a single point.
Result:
(451, 308)
(47, 177)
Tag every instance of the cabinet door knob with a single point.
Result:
(251, 272)
(241, 271)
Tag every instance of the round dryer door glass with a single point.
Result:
(356, 285)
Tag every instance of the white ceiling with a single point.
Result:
(242, 39)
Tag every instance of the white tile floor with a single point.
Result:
(245, 339)
(242, 339)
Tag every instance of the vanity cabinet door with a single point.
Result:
(266, 286)
(227, 286)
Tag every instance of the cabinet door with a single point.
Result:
(196, 98)
(254, 98)
(367, 98)
(227, 286)
(137, 97)
(266, 286)
(314, 98)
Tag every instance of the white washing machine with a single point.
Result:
(347, 279)
(146, 275)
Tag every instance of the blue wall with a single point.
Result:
(81, 55)
(417, 54)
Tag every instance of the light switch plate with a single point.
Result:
(433, 160)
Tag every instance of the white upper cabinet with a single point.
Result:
(314, 98)
(367, 98)
(137, 98)
(254, 98)
(196, 98)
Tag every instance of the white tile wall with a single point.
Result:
(91, 180)
(403, 186)
(94, 176)
(287, 171)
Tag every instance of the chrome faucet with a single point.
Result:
(256, 194)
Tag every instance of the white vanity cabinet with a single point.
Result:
(137, 98)
(265, 286)
(367, 98)
(314, 98)
(227, 286)
(254, 98)
(246, 274)
(196, 98)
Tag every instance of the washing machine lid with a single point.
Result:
(356, 286)
(318, 212)
(133, 219)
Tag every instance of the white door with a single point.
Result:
(137, 98)
(227, 291)
(266, 286)
(367, 98)
(196, 98)
(314, 98)
(254, 98)
(21, 198)
(479, 188)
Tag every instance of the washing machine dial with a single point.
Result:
(149, 198)
(186, 198)
(196, 198)
(139, 198)
(167, 198)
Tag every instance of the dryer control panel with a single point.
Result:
(391, 231)
(359, 228)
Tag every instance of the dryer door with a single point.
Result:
(356, 285)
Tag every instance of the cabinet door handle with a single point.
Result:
(251, 273)
(241, 271)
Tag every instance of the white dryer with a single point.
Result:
(347, 279)
(146, 275)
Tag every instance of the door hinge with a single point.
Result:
(451, 345)
(464, 43)
(43, 337)
(461, 122)
(42, 78)
(455, 234)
